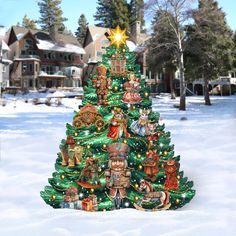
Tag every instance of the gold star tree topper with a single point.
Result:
(118, 36)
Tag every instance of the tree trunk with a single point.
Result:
(206, 89)
(182, 105)
(172, 91)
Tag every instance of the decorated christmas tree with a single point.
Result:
(116, 154)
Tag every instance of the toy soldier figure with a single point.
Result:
(102, 83)
(118, 177)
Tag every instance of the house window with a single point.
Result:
(22, 52)
(24, 67)
(99, 54)
(31, 83)
(104, 41)
(4, 68)
(28, 43)
(81, 56)
(31, 52)
(31, 67)
(50, 70)
(36, 67)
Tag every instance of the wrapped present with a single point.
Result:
(65, 204)
(94, 201)
(93, 198)
(78, 205)
(87, 204)
(75, 205)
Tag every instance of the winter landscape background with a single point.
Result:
(206, 141)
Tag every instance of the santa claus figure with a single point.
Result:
(117, 176)
(171, 167)
(150, 165)
(118, 125)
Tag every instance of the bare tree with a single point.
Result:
(177, 17)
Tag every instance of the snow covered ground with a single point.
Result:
(206, 141)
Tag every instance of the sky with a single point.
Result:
(12, 11)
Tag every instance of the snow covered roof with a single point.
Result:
(96, 31)
(6, 61)
(68, 43)
(20, 36)
(4, 46)
(71, 48)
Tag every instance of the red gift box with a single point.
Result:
(87, 204)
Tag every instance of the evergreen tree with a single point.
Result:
(51, 14)
(234, 51)
(161, 47)
(210, 43)
(116, 154)
(81, 30)
(136, 11)
(111, 13)
(28, 23)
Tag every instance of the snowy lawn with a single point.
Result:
(206, 141)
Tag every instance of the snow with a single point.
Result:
(70, 48)
(4, 46)
(206, 141)
(56, 94)
(131, 45)
(20, 36)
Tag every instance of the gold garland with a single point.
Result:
(139, 139)
(179, 192)
(72, 173)
(60, 190)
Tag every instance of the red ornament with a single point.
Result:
(70, 140)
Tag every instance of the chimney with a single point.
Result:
(136, 31)
(53, 33)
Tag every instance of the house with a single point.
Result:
(223, 85)
(44, 59)
(4, 61)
